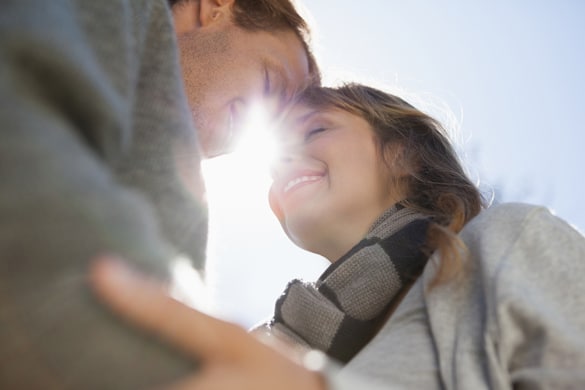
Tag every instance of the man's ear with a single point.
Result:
(190, 15)
(213, 11)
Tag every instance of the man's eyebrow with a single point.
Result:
(266, 79)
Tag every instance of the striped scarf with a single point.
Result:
(344, 308)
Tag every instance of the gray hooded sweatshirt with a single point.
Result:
(514, 320)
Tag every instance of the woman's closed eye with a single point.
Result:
(313, 132)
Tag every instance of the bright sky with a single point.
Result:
(511, 74)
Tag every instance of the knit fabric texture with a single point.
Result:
(341, 311)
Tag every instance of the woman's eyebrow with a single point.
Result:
(306, 117)
(297, 122)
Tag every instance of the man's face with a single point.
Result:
(226, 68)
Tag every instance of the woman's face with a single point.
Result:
(330, 184)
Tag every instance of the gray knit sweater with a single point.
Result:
(97, 153)
(516, 320)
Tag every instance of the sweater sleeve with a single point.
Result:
(349, 381)
(338, 378)
(539, 310)
(67, 100)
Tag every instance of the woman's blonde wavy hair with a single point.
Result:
(436, 183)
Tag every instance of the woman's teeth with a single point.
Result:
(299, 180)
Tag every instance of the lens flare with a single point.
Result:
(257, 145)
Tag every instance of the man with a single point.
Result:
(98, 154)
(233, 53)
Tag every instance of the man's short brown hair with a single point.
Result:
(273, 15)
(276, 15)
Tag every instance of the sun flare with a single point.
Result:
(237, 187)
(253, 153)
(244, 174)
(257, 144)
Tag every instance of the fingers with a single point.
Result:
(214, 379)
(230, 357)
(147, 305)
(192, 382)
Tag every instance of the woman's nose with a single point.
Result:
(285, 157)
(279, 164)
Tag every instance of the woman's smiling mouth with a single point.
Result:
(300, 180)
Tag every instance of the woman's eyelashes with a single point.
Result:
(313, 132)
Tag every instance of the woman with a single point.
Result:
(373, 184)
